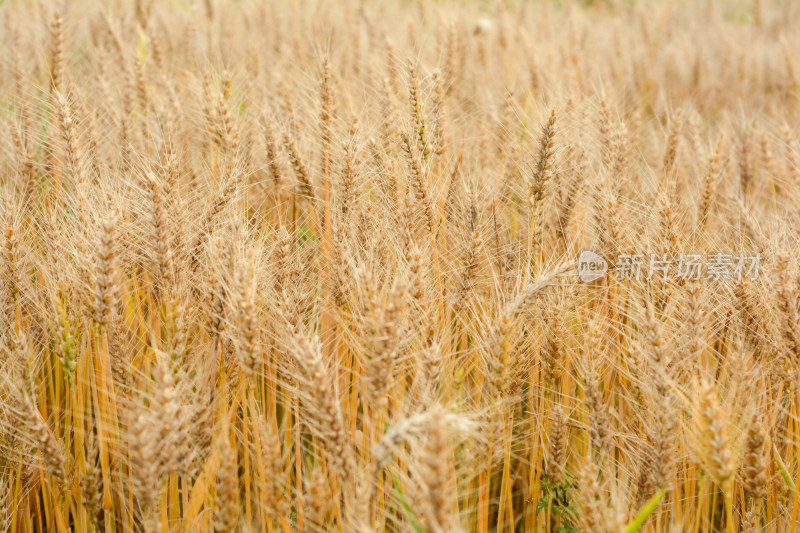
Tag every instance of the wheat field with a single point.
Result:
(400, 266)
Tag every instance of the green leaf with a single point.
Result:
(787, 477)
(408, 511)
(306, 234)
(541, 505)
(645, 512)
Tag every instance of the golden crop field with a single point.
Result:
(400, 266)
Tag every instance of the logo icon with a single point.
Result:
(591, 266)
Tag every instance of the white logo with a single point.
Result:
(591, 266)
